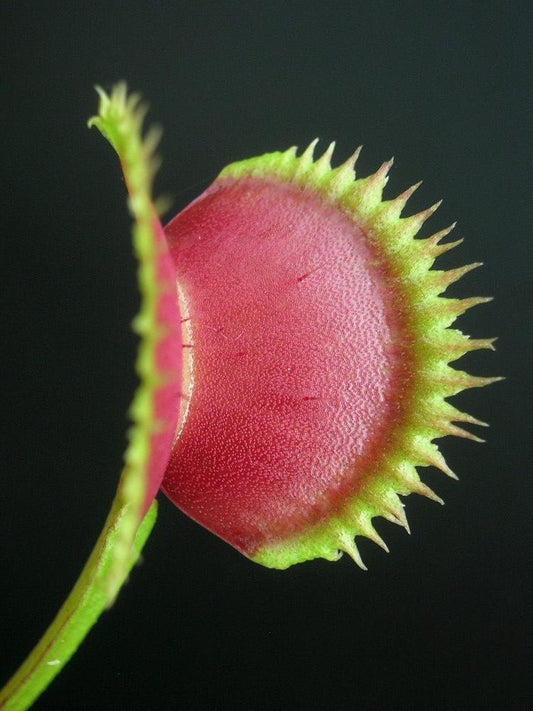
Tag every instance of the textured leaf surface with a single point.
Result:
(320, 354)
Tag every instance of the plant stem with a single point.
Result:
(89, 597)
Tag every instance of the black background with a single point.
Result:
(444, 622)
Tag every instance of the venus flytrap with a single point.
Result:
(294, 364)
(321, 349)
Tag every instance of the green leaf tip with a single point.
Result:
(120, 120)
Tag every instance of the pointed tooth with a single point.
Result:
(437, 460)
(451, 429)
(430, 455)
(386, 504)
(377, 181)
(483, 343)
(402, 198)
(452, 414)
(367, 192)
(424, 490)
(322, 166)
(288, 159)
(464, 344)
(343, 177)
(348, 167)
(458, 381)
(121, 96)
(470, 420)
(152, 139)
(104, 98)
(324, 162)
(475, 301)
(432, 208)
(131, 100)
(347, 544)
(138, 110)
(445, 278)
(352, 160)
(458, 416)
(391, 518)
(120, 91)
(456, 307)
(391, 209)
(393, 510)
(406, 475)
(439, 249)
(426, 214)
(456, 343)
(434, 242)
(306, 159)
(413, 224)
(407, 193)
(388, 516)
(441, 234)
(481, 382)
(368, 530)
(380, 177)
(402, 520)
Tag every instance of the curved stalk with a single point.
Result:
(154, 412)
(87, 600)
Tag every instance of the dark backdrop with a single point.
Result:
(444, 622)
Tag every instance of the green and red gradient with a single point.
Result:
(296, 349)
(294, 368)
(298, 357)
(168, 364)
(316, 339)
